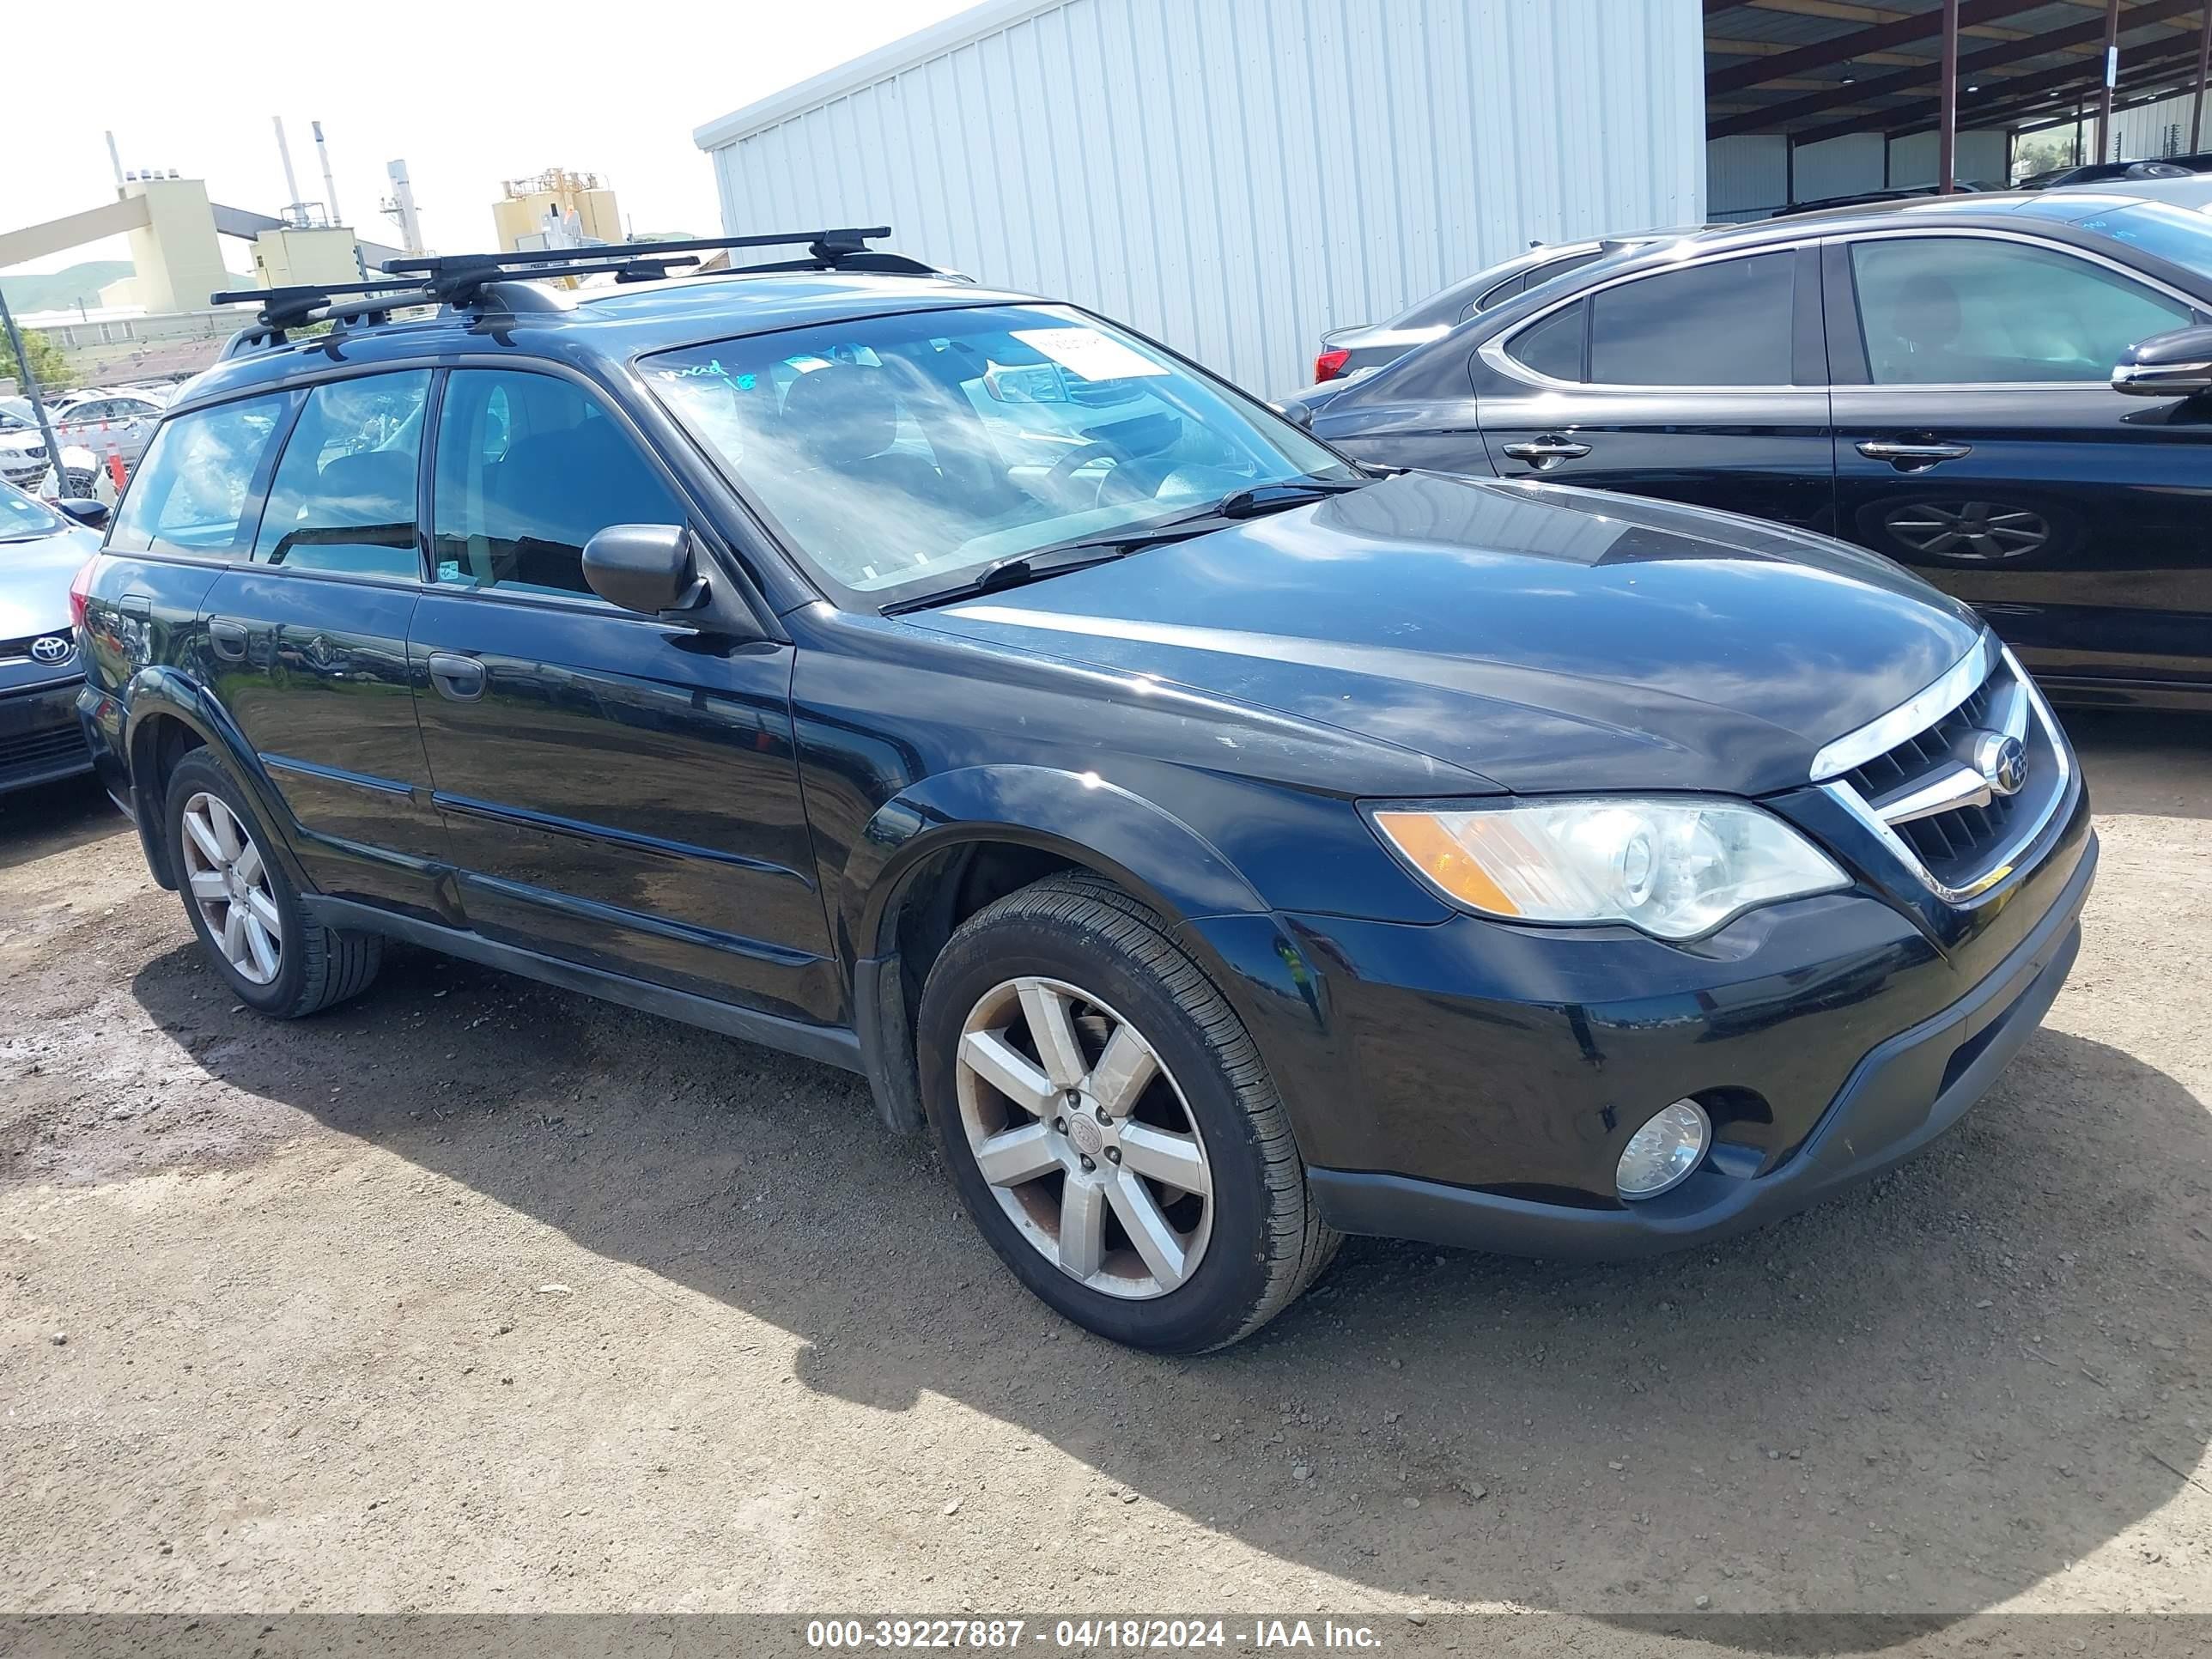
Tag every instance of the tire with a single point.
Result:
(312, 966)
(1232, 1258)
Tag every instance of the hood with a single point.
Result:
(35, 580)
(1546, 638)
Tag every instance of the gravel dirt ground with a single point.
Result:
(476, 1296)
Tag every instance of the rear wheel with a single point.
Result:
(1109, 1124)
(273, 956)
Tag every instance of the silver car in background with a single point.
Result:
(1348, 353)
(118, 421)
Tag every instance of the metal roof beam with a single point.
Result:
(1727, 47)
(1778, 116)
(2028, 92)
(1844, 12)
(1845, 47)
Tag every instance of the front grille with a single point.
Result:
(39, 751)
(1952, 842)
(1930, 793)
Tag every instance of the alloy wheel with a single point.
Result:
(1085, 1137)
(228, 880)
(1977, 531)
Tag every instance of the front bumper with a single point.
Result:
(1473, 1085)
(41, 740)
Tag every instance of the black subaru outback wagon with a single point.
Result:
(1222, 846)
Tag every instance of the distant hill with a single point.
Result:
(78, 285)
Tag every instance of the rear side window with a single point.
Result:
(192, 492)
(1554, 346)
(343, 496)
(529, 467)
(1498, 295)
(1724, 324)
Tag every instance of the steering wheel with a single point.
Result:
(1064, 469)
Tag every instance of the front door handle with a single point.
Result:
(1910, 457)
(227, 638)
(1547, 450)
(461, 679)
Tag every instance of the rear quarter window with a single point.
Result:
(194, 491)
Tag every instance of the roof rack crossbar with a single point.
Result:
(289, 305)
(460, 279)
(823, 248)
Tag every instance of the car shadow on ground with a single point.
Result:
(37, 824)
(2152, 762)
(1926, 1396)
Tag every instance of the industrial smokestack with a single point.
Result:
(284, 150)
(115, 161)
(330, 185)
(402, 207)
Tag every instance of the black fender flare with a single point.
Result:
(1156, 856)
(159, 692)
(1150, 853)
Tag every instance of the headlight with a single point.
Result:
(1676, 868)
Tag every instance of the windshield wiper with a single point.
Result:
(1255, 499)
(1018, 567)
(1084, 552)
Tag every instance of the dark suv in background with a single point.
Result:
(1221, 844)
(2011, 394)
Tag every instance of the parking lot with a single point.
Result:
(476, 1295)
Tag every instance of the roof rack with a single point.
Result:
(826, 250)
(461, 279)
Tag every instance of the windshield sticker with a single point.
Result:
(1087, 354)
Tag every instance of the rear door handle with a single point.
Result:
(461, 679)
(1908, 455)
(139, 606)
(1547, 450)
(227, 638)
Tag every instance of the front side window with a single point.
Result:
(192, 490)
(529, 467)
(1967, 311)
(343, 496)
(1728, 322)
(901, 454)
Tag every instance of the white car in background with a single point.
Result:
(23, 459)
(115, 420)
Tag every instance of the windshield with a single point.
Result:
(2169, 232)
(900, 454)
(23, 519)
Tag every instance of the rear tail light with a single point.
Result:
(1330, 365)
(79, 591)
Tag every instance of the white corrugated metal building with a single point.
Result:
(1236, 177)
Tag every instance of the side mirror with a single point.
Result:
(644, 567)
(92, 514)
(1297, 414)
(2173, 365)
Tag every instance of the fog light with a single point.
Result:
(1660, 1155)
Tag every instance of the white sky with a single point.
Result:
(466, 95)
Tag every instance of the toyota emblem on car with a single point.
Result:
(52, 648)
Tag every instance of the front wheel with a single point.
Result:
(1109, 1124)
